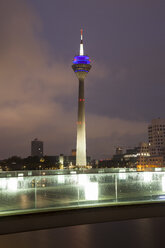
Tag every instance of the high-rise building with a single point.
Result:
(81, 66)
(143, 154)
(36, 148)
(156, 137)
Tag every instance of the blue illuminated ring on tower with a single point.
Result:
(81, 60)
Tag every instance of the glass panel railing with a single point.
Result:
(42, 190)
(134, 186)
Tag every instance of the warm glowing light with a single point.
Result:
(73, 172)
(90, 188)
(158, 169)
(122, 176)
(82, 179)
(12, 184)
(60, 179)
(147, 176)
(91, 191)
(20, 176)
(163, 183)
(3, 183)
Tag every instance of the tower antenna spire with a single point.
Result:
(81, 44)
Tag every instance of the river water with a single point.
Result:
(147, 233)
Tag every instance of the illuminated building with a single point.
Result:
(156, 161)
(36, 148)
(81, 66)
(131, 158)
(156, 137)
(144, 154)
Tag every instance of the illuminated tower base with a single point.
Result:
(81, 66)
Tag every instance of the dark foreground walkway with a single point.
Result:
(139, 233)
(54, 219)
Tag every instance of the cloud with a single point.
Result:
(104, 134)
(29, 78)
(104, 126)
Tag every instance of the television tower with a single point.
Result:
(81, 66)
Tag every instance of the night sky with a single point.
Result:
(125, 88)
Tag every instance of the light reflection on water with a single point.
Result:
(148, 233)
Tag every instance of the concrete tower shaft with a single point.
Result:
(81, 66)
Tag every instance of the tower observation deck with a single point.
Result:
(81, 66)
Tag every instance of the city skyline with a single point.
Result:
(125, 88)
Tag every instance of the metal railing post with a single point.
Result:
(116, 186)
(35, 194)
